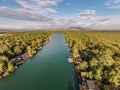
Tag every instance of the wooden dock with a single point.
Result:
(70, 59)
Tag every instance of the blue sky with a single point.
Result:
(43, 14)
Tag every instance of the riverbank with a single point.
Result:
(82, 75)
(20, 59)
(99, 58)
(46, 70)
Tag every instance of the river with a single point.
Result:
(47, 70)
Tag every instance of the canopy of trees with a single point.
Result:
(100, 51)
(18, 43)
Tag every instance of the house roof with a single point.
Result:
(78, 59)
(25, 54)
(91, 84)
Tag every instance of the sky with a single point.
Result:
(48, 14)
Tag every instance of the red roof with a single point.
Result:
(78, 59)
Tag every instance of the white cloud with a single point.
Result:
(64, 21)
(109, 23)
(36, 4)
(41, 11)
(49, 10)
(39, 5)
(13, 27)
(27, 27)
(23, 14)
(113, 4)
(47, 3)
(99, 23)
(32, 10)
(24, 4)
(77, 19)
(87, 13)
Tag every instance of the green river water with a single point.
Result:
(47, 70)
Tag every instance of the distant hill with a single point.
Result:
(4, 30)
(76, 28)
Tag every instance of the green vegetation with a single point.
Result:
(100, 51)
(13, 45)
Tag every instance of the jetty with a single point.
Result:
(70, 59)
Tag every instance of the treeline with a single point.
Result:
(12, 45)
(100, 52)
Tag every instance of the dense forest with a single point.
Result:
(16, 47)
(100, 51)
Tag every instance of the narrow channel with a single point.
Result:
(47, 70)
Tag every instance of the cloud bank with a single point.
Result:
(114, 4)
(44, 11)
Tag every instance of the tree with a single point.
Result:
(75, 51)
(114, 78)
(2, 66)
(93, 62)
(17, 50)
(98, 74)
(3, 58)
(10, 67)
(105, 60)
(91, 76)
(83, 65)
(31, 50)
(9, 53)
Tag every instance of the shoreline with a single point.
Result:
(19, 60)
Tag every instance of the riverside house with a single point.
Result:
(91, 85)
(78, 60)
(20, 58)
(25, 56)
